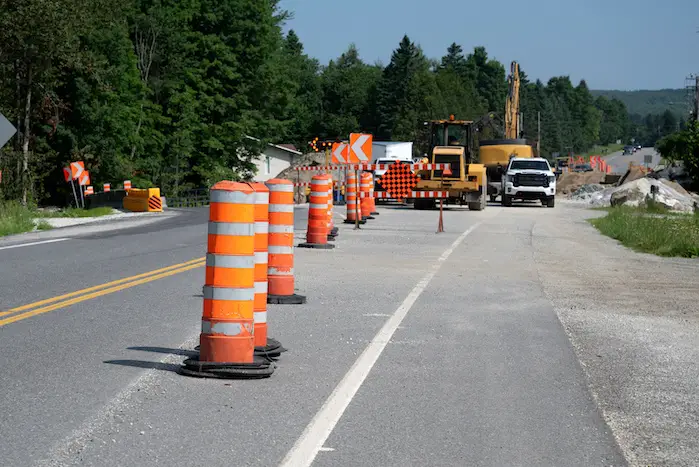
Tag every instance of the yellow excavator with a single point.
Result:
(495, 154)
(451, 141)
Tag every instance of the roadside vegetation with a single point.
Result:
(16, 218)
(652, 229)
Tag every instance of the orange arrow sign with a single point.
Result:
(360, 148)
(340, 153)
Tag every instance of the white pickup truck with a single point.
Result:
(529, 179)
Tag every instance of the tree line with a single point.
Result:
(165, 93)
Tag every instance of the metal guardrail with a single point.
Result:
(189, 199)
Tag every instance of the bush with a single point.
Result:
(15, 218)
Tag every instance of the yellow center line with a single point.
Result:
(176, 269)
(96, 287)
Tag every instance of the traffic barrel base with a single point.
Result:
(334, 231)
(294, 299)
(317, 246)
(374, 213)
(348, 221)
(260, 368)
(272, 350)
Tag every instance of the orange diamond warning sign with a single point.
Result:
(399, 181)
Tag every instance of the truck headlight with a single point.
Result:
(509, 178)
(552, 179)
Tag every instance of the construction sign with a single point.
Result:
(67, 175)
(399, 181)
(77, 169)
(340, 153)
(84, 178)
(360, 148)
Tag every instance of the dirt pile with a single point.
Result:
(312, 158)
(569, 182)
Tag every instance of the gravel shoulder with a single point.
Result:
(634, 323)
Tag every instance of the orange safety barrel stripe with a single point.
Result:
(351, 196)
(331, 194)
(227, 332)
(280, 264)
(317, 232)
(365, 184)
(262, 195)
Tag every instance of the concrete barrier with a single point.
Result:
(147, 200)
(112, 199)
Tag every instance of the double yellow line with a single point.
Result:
(54, 303)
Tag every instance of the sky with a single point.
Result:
(612, 44)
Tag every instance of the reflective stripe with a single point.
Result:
(324, 181)
(232, 197)
(261, 257)
(262, 227)
(227, 329)
(318, 206)
(260, 317)
(230, 261)
(281, 250)
(261, 287)
(281, 229)
(281, 208)
(228, 294)
(261, 197)
(280, 272)
(319, 193)
(283, 188)
(228, 228)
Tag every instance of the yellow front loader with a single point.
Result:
(451, 142)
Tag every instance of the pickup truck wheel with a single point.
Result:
(506, 201)
(493, 198)
(551, 202)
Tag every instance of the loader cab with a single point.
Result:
(450, 143)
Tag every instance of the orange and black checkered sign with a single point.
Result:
(155, 203)
(399, 181)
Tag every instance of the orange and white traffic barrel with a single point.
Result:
(280, 264)
(372, 200)
(107, 187)
(227, 328)
(332, 230)
(317, 232)
(353, 212)
(365, 183)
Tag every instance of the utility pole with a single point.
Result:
(696, 99)
(538, 137)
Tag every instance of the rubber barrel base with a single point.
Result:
(317, 246)
(374, 213)
(334, 231)
(362, 222)
(273, 349)
(370, 217)
(286, 299)
(261, 367)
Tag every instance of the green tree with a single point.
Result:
(683, 146)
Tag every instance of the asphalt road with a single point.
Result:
(620, 162)
(414, 348)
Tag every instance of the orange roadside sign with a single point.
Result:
(84, 178)
(77, 169)
(340, 153)
(67, 175)
(360, 148)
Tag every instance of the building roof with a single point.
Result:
(284, 147)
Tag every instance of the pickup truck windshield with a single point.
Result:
(529, 165)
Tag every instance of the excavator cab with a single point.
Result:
(450, 143)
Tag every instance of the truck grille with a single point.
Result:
(531, 180)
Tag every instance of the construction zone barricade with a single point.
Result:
(280, 264)
(317, 233)
(264, 346)
(354, 215)
(332, 230)
(365, 184)
(372, 198)
(147, 200)
(226, 348)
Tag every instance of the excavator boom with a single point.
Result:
(512, 130)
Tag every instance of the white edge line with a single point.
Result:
(306, 448)
(33, 243)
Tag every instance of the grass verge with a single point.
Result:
(74, 212)
(15, 218)
(651, 230)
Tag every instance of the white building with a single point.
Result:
(273, 160)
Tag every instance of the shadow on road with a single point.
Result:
(146, 365)
(165, 350)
